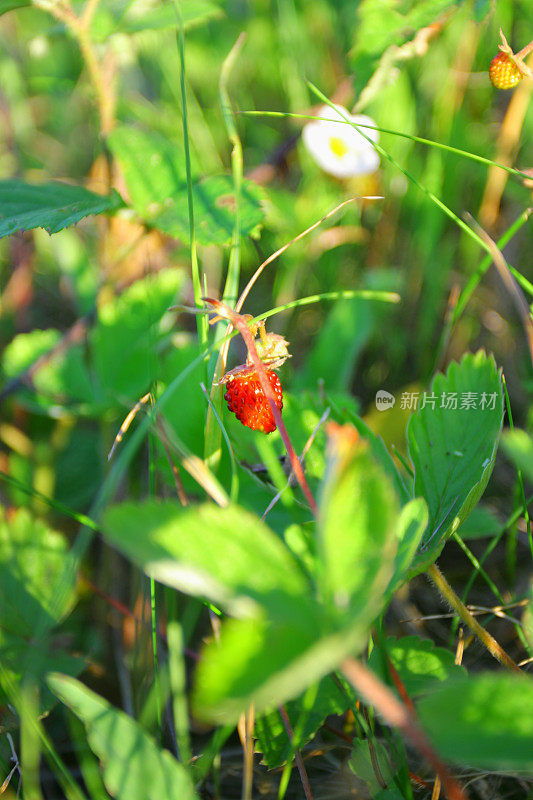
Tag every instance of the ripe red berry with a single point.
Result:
(246, 398)
(503, 72)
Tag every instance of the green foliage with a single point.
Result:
(358, 513)
(420, 665)
(154, 169)
(36, 593)
(272, 738)
(127, 334)
(225, 554)
(290, 639)
(519, 446)
(10, 5)
(52, 206)
(362, 763)
(304, 592)
(347, 329)
(32, 563)
(484, 722)
(108, 22)
(135, 768)
(122, 348)
(380, 24)
(453, 449)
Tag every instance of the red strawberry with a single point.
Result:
(246, 398)
(503, 72)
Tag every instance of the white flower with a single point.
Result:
(339, 148)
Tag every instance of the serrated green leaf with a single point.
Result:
(519, 446)
(135, 768)
(453, 449)
(485, 721)
(225, 554)
(272, 739)
(420, 664)
(154, 170)
(52, 206)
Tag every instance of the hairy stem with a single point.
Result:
(461, 610)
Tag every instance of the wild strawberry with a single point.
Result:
(503, 72)
(246, 398)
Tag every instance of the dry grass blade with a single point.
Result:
(127, 422)
(509, 282)
(196, 467)
(273, 256)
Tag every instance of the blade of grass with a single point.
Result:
(178, 687)
(475, 279)
(234, 488)
(201, 322)
(212, 450)
(433, 197)
(419, 139)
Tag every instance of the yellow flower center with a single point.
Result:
(337, 146)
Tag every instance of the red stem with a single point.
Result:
(297, 755)
(238, 322)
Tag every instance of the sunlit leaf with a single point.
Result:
(225, 554)
(32, 561)
(267, 662)
(358, 511)
(420, 665)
